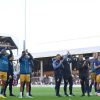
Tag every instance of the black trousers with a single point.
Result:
(58, 79)
(84, 84)
(10, 83)
(66, 81)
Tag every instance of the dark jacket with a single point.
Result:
(66, 69)
(83, 68)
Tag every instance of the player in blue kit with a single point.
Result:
(25, 72)
(4, 66)
(93, 73)
(97, 67)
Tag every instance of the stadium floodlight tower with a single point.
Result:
(24, 41)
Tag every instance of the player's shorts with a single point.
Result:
(93, 76)
(98, 78)
(3, 76)
(24, 77)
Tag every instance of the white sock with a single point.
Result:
(21, 94)
(27, 94)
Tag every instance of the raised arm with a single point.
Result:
(31, 60)
(31, 57)
(56, 65)
(11, 53)
(2, 51)
(96, 66)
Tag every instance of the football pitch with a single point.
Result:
(48, 93)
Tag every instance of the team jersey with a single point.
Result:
(4, 63)
(66, 69)
(92, 61)
(97, 63)
(25, 65)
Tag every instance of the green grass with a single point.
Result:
(44, 93)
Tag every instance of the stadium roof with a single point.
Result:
(7, 42)
(63, 52)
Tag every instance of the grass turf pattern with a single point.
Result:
(48, 93)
